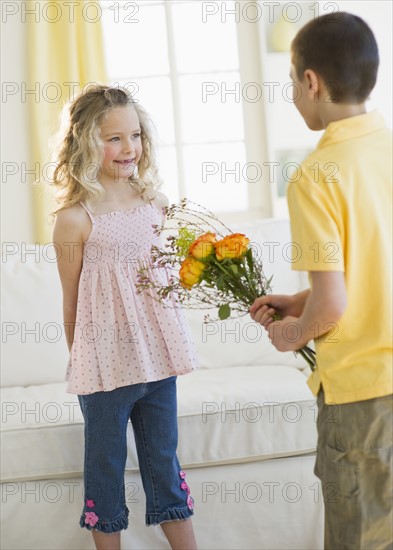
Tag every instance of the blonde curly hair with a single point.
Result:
(81, 150)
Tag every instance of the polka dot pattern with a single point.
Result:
(122, 337)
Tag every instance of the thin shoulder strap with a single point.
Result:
(88, 212)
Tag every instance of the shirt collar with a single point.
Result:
(351, 127)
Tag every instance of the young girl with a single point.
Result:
(125, 348)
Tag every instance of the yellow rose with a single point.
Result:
(232, 246)
(191, 272)
(203, 246)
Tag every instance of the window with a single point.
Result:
(183, 66)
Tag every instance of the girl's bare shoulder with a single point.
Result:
(161, 200)
(72, 222)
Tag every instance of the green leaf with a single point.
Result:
(234, 269)
(224, 312)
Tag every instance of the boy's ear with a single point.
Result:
(313, 84)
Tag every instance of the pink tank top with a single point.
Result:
(123, 337)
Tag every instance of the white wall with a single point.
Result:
(16, 215)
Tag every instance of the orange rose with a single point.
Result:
(191, 272)
(203, 246)
(231, 246)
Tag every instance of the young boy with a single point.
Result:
(341, 218)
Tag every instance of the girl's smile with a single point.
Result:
(126, 164)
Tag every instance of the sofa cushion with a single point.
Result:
(226, 415)
(34, 350)
(233, 342)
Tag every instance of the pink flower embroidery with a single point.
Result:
(91, 518)
(190, 502)
(182, 474)
(90, 503)
(184, 486)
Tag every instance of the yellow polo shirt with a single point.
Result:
(341, 220)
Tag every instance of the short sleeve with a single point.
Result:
(317, 244)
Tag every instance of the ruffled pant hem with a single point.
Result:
(107, 526)
(172, 514)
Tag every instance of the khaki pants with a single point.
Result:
(354, 464)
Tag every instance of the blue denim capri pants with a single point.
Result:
(152, 409)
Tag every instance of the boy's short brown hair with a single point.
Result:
(342, 49)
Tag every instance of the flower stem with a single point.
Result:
(237, 284)
(308, 354)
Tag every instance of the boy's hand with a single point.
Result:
(304, 316)
(265, 308)
(261, 310)
(285, 335)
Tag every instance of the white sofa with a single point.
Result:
(246, 423)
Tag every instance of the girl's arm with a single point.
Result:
(68, 239)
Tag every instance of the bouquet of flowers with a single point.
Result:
(208, 266)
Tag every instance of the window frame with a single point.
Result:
(258, 194)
